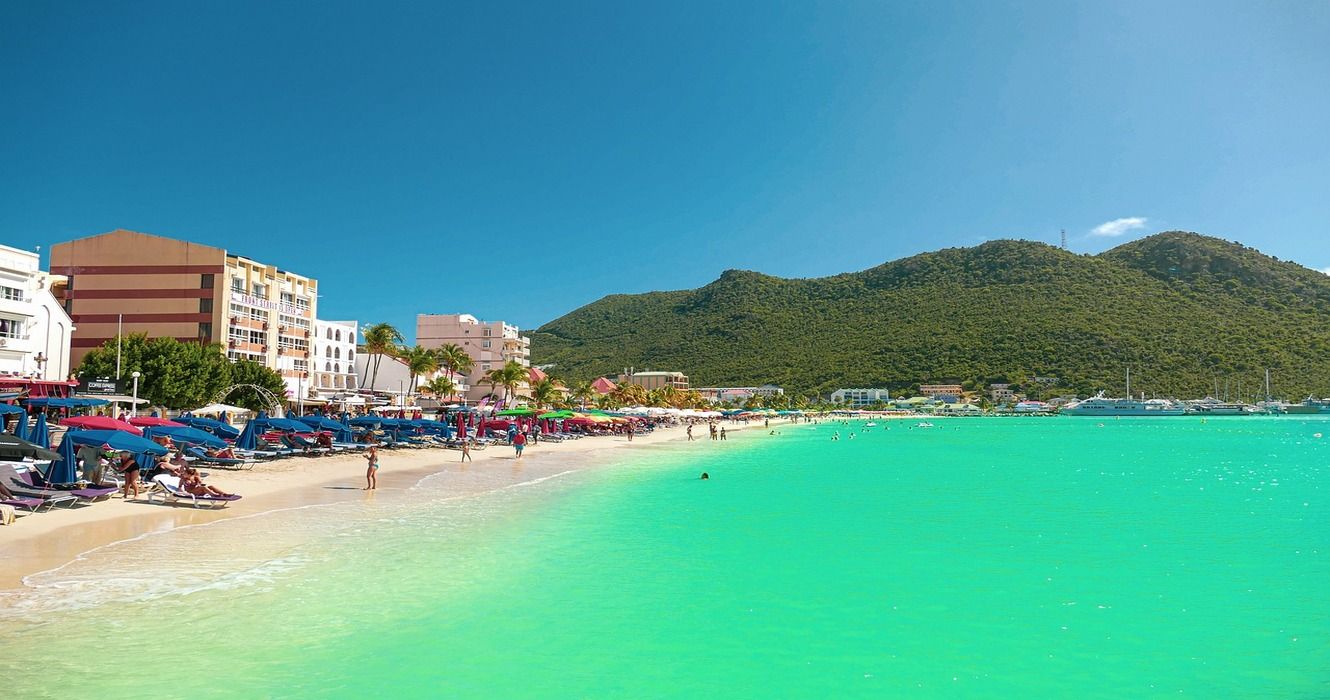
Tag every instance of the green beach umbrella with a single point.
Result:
(520, 411)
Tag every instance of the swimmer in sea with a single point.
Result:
(705, 476)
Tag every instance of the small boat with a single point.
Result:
(924, 424)
(870, 424)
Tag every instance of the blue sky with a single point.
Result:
(518, 161)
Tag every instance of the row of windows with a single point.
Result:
(286, 320)
(245, 335)
(292, 343)
(249, 312)
(336, 353)
(238, 355)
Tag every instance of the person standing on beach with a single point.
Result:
(519, 442)
(372, 471)
(466, 451)
(130, 470)
(722, 433)
(690, 432)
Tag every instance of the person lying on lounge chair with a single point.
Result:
(324, 440)
(191, 483)
(224, 453)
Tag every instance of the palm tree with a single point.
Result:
(544, 393)
(441, 387)
(581, 392)
(493, 378)
(420, 361)
(454, 358)
(511, 376)
(630, 394)
(380, 339)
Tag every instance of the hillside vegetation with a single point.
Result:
(1180, 309)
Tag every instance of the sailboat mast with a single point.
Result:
(1129, 381)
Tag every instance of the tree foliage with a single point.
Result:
(1182, 310)
(179, 375)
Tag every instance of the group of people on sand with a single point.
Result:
(94, 460)
(716, 432)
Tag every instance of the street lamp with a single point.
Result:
(134, 409)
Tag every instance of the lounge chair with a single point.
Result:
(198, 454)
(168, 488)
(49, 497)
(31, 504)
(88, 493)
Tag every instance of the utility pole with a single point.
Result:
(1064, 239)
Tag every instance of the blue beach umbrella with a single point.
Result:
(191, 436)
(6, 409)
(62, 470)
(216, 427)
(41, 434)
(249, 437)
(21, 427)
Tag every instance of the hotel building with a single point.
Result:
(860, 398)
(942, 391)
(738, 394)
(490, 344)
(140, 283)
(35, 331)
(655, 380)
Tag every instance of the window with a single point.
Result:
(486, 332)
(485, 344)
(11, 328)
(350, 355)
(237, 285)
(260, 290)
(339, 336)
(327, 351)
(205, 306)
(327, 367)
(11, 294)
(205, 332)
(249, 312)
(205, 281)
(337, 353)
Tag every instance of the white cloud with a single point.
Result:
(1117, 227)
(1325, 270)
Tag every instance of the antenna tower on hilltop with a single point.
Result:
(1064, 239)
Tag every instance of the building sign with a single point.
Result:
(260, 302)
(100, 386)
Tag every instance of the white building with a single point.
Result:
(334, 359)
(394, 378)
(860, 398)
(34, 328)
(738, 394)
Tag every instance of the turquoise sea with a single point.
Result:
(980, 558)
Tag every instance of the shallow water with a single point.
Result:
(1059, 557)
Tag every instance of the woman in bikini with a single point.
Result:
(372, 472)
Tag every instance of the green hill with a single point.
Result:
(1180, 309)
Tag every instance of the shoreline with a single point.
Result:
(42, 542)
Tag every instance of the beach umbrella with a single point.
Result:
(21, 427)
(154, 420)
(62, 470)
(8, 408)
(185, 434)
(41, 434)
(15, 448)
(100, 423)
(521, 411)
(249, 437)
(216, 427)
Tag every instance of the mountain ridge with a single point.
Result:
(1183, 309)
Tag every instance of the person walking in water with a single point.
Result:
(372, 471)
(722, 433)
(519, 442)
(690, 432)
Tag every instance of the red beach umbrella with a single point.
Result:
(154, 422)
(100, 423)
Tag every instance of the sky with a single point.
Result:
(517, 161)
